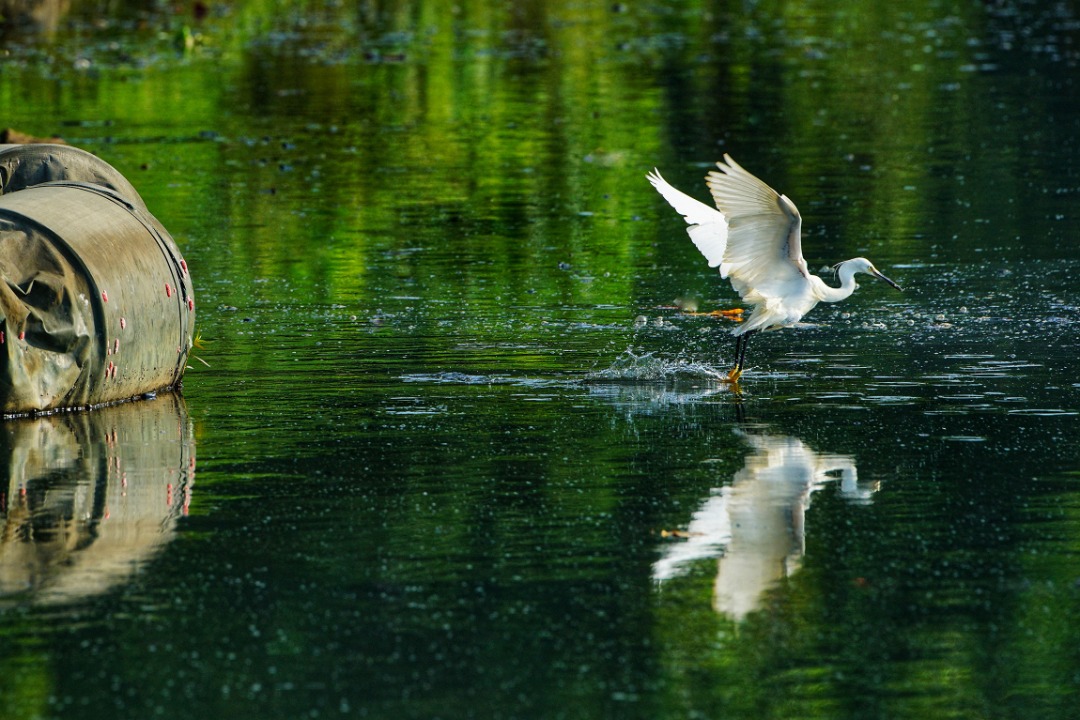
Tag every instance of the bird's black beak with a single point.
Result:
(879, 276)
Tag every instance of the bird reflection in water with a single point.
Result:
(90, 497)
(755, 526)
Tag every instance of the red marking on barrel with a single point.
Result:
(191, 304)
(168, 290)
(183, 265)
(1, 337)
(22, 335)
(123, 323)
(104, 296)
(116, 346)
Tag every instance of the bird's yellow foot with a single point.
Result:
(734, 375)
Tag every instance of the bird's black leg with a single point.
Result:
(745, 343)
(740, 348)
(741, 342)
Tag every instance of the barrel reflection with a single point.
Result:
(89, 498)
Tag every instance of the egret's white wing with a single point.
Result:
(763, 257)
(708, 229)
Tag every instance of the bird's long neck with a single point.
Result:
(847, 286)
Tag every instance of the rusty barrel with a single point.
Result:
(96, 302)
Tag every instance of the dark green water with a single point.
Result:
(436, 467)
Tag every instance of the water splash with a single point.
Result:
(633, 367)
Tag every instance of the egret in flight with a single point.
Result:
(755, 239)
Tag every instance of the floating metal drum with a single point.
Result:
(96, 303)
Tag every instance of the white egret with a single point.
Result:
(755, 239)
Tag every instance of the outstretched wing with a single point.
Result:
(763, 257)
(708, 228)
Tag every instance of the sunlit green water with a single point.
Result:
(440, 470)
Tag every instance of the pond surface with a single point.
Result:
(453, 447)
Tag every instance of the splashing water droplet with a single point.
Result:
(633, 367)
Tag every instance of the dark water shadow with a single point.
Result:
(22, 17)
